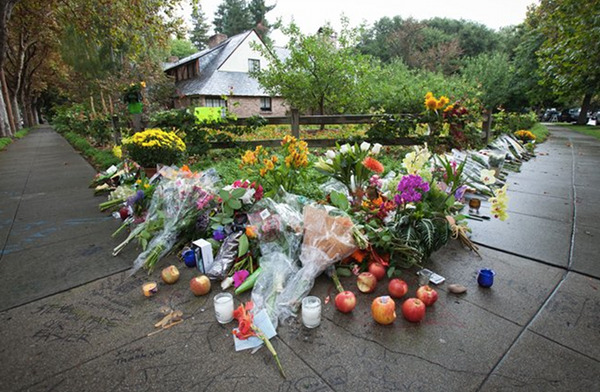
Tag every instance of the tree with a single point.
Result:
(570, 53)
(258, 9)
(199, 33)
(232, 17)
(324, 72)
(7, 127)
(182, 48)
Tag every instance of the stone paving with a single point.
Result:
(73, 320)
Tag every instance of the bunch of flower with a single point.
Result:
(524, 135)
(154, 146)
(433, 104)
(411, 189)
(133, 92)
(417, 162)
(285, 169)
(499, 203)
(352, 165)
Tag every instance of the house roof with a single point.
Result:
(211, 82)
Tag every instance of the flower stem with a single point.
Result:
(262, 336)
(336, 280)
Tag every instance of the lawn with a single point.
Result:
(589, 130)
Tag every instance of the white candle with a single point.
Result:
(311, 312)
(223, 307)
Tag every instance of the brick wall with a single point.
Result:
(243, 106)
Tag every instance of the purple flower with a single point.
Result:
(138, 197)
(219, 234)
(375, 181)
(411, 189)
(460, 192)
(239, 277)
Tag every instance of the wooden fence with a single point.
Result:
(295, 120)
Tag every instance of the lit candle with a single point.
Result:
(223, 307)
(311, 312)
(150, 289)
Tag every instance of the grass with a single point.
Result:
(540, 131)
(101, 159)
(5, 141)
(589, 130)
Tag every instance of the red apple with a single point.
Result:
(377, 269)
(366, 282)
(383, 310)
(200, 285)
(345, 301)
(397, 288)
(427, 295)
(170, 274)
(413, 309)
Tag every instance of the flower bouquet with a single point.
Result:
(177, 202)
(328, 238)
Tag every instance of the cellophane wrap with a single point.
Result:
(327, 239)
(178, 199)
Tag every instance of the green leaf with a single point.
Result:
(344, 272)
(144, 243)
(234, 204)
(224, 195)
(339, 200)
(243, 245)
(390, 271)
(238, 192)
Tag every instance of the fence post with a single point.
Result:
(487, 124)
(295, 123)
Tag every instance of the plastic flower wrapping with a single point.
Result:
(174, 208)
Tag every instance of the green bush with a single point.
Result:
(389, 126)
(100, 158)
(505, 122)
(4, 141)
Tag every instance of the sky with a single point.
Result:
(309, 15)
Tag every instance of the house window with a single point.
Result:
(215, 102)
(265, 104)
(253, 65)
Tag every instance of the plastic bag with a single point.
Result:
(327, 239)
(279, 221)
(276, 270)
(226, 257)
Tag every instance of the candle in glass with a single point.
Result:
(223, 307)
(311, 312)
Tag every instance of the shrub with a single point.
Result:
(504, 122)
(154, 146)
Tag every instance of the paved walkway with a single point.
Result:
(70, 321)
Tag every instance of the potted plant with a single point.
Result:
(132, 96)
(154, 146)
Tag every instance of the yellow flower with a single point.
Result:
(117, 152)
(431, 103)
(442, 102)
(448, 108)
(143, 84)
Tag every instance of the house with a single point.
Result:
(205, 78)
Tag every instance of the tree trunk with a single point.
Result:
(5, 128)
(6, 7)
(5, 104)
(585, 107)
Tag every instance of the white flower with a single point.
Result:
(329, 162)
(345, 148)
(487, 177)
(226, 283)
(364, 146)
(376, 148)
(247, 198)
(330, 154)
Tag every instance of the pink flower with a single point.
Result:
(239, 277)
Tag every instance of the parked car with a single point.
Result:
(550, 115)
(569, 115)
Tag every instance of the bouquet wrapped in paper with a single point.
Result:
(328, 238)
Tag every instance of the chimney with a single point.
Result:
(216, 40)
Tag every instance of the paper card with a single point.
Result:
(262, 321)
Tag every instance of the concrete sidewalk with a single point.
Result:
(537, 328)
